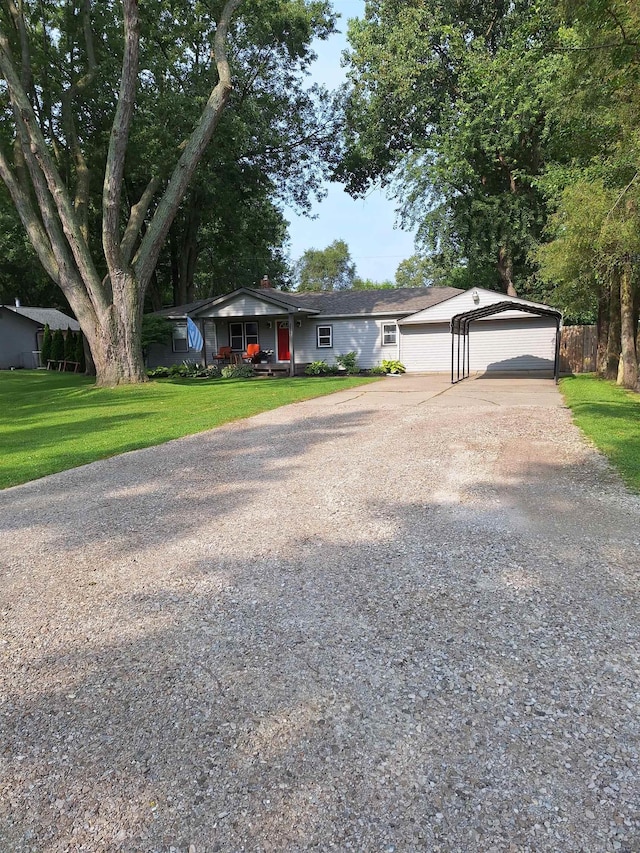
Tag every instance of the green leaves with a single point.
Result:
(326, 269)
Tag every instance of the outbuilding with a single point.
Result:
(21, 332)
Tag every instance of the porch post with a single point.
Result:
(292, 349)
(204, 341)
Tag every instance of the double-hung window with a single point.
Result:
(389, 334)
(324, 336)
(180, 340)
(242, 334)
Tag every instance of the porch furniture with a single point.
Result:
(252, 351)
(61, 366)
(223, 355)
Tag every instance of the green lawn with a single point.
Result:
(54, 421)
(610, 417)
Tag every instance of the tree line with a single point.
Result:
(509, 134)
(147, 151)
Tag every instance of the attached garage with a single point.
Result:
(520, 336)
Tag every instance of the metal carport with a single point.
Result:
(460, 324)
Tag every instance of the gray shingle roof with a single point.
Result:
(400, 300)
(335, 303)
(56, 319)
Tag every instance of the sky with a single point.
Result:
(367, 225)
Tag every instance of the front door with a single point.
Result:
(283, 341)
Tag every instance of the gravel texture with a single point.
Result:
(401, 618)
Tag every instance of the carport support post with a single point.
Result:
(453, 344)
(468, 334)
(556, 363)
(464, 354)
(292, 349)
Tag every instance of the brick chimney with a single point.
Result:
(264, 281)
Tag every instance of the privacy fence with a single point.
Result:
(578, 348)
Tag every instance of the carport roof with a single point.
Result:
(460, 322)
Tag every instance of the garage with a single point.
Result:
(497, 334)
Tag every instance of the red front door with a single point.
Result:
(283, 341)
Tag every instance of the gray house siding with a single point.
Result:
(18, 341)
(360, 335)
(216, 335)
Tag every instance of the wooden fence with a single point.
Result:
(578, 349)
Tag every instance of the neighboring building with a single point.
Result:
(410, 324)
(21, 331)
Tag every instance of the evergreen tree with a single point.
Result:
(57, 346)
(46, 345)
(79, 353)
(69, 346)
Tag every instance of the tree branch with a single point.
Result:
(37, 234)
(114, 172)
(39, 160)
(136, 218)
(153, 240)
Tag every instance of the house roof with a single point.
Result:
(399, 300)
(43, 316)
(334, 303)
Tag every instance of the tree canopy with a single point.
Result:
(111, 110)
(326, 269)
(509, 134)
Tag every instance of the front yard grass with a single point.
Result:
(610, 417)
(52, 421)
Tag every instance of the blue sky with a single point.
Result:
(367, 225)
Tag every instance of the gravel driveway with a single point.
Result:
(400, 618)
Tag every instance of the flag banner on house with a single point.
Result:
(195, 338)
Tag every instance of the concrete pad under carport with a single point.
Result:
(415, 389)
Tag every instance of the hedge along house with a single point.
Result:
(410, 324)
(22, 330)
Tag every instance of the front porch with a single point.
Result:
(236, 326)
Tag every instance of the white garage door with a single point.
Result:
(507, 345)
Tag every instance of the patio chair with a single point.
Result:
(224, 355)
(252, 351)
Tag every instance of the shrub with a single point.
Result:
(47, 342)
(57, 346)
(320, 368)
(79, 353)
(159, 373)
(378, 371)
(349, 361)
(237, 371)
(211, 372)
(393, 366)
(69, 346)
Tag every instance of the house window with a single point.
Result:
(179, 339)
(242, 334)
(325, 336)
(389, 334)
(250, 334)
(236, 337)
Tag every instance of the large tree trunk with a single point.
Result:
(114, 337)
(628, 339)
(613, 341)
(505, 271)
(604, 298)
(109, 308)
